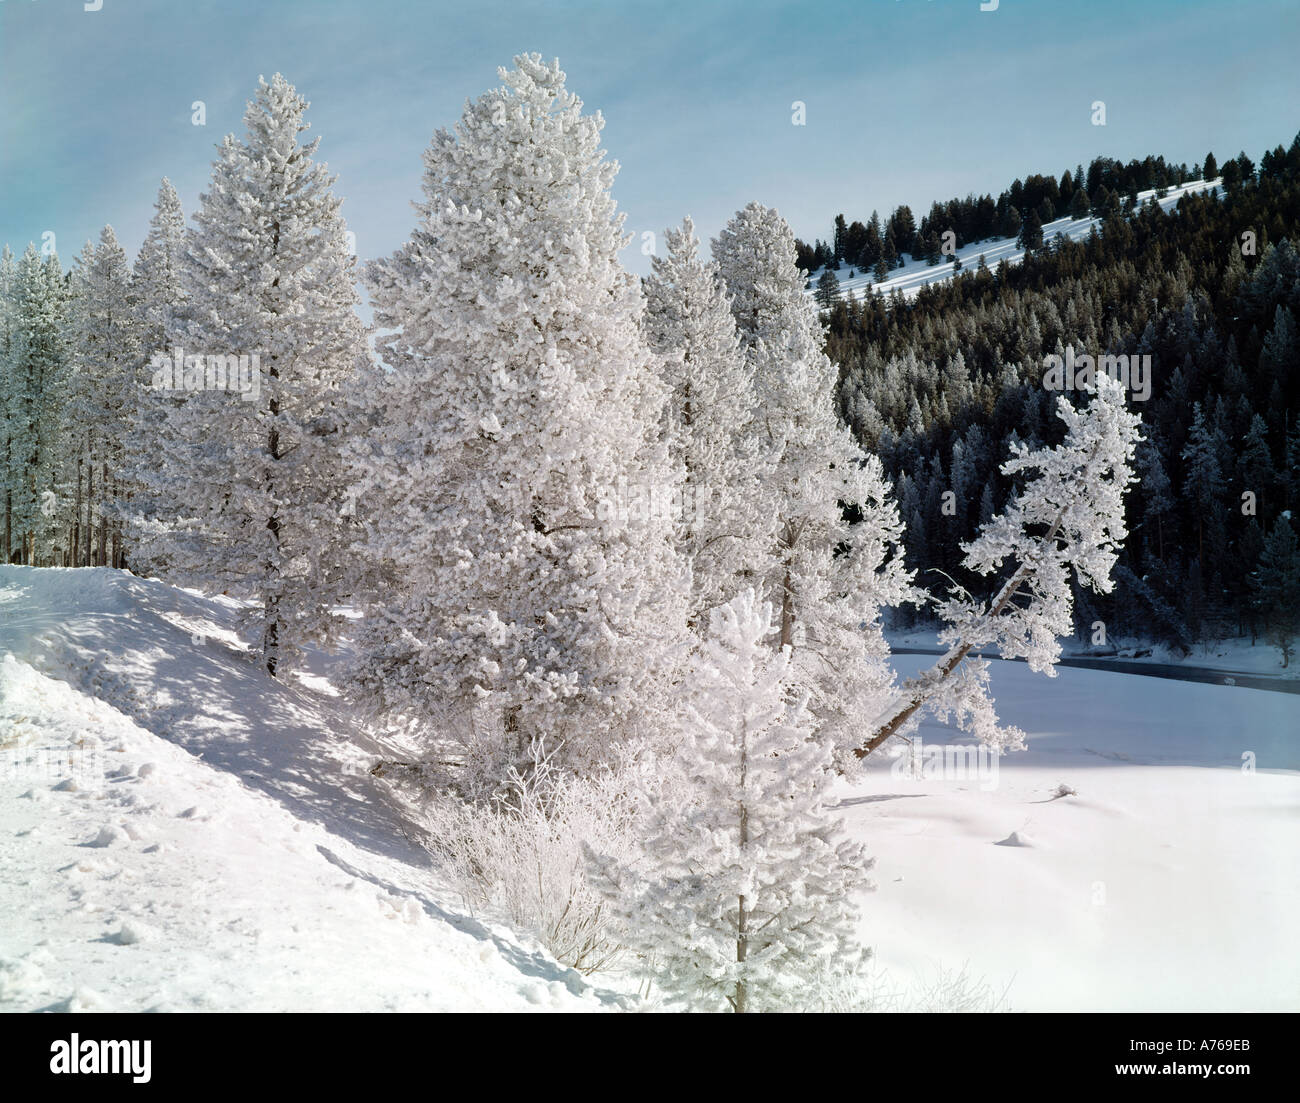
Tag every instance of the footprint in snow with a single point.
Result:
(108, 836)
(83, 999)
(131, 933)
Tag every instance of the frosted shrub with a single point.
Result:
(520, 854)
(862, 988)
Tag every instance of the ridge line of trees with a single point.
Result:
(878, 244)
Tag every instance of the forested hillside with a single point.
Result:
(940, 386)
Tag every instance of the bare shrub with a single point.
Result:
(520, 854)
(866, 989)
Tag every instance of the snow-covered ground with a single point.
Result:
(916, 273)
(178, 832)
(1170, 880)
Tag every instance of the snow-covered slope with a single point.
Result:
(915, 273)
(180, 832)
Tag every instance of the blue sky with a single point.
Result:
(907, 100)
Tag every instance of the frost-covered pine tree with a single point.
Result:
(724, 527)
(271, 339)
(8, 330)
(829, 577)
(100, 399)
(159, 302)
(37, 365)
(515, 486)
(158, 269)
(743, 894)
(1068, 520)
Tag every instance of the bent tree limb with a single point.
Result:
(917, 691)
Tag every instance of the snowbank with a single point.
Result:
(179, 832)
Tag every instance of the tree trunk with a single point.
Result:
(76, 523)
(512, 732)
(103, 516)
(271, 639)
(787, 594)
(942, 670)
(271, 636)
(787, 613)
(90, 518)
(741, 1000)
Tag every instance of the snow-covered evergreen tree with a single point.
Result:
(159, 301)
(8, 333)
(724, 527)
(516, 485)
(829, 577)
(158, 270)
(100, 399)
(744, 892)
(253, 445)
(36, 391)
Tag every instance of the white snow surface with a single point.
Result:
(179, 832)
(1168, 881)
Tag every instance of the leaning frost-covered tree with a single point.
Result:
(100, 400)
(828, 576)
(743, 894)
(1068, 519)
(253, 445)
(159, 301)
(515, 485)
(723, 526)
